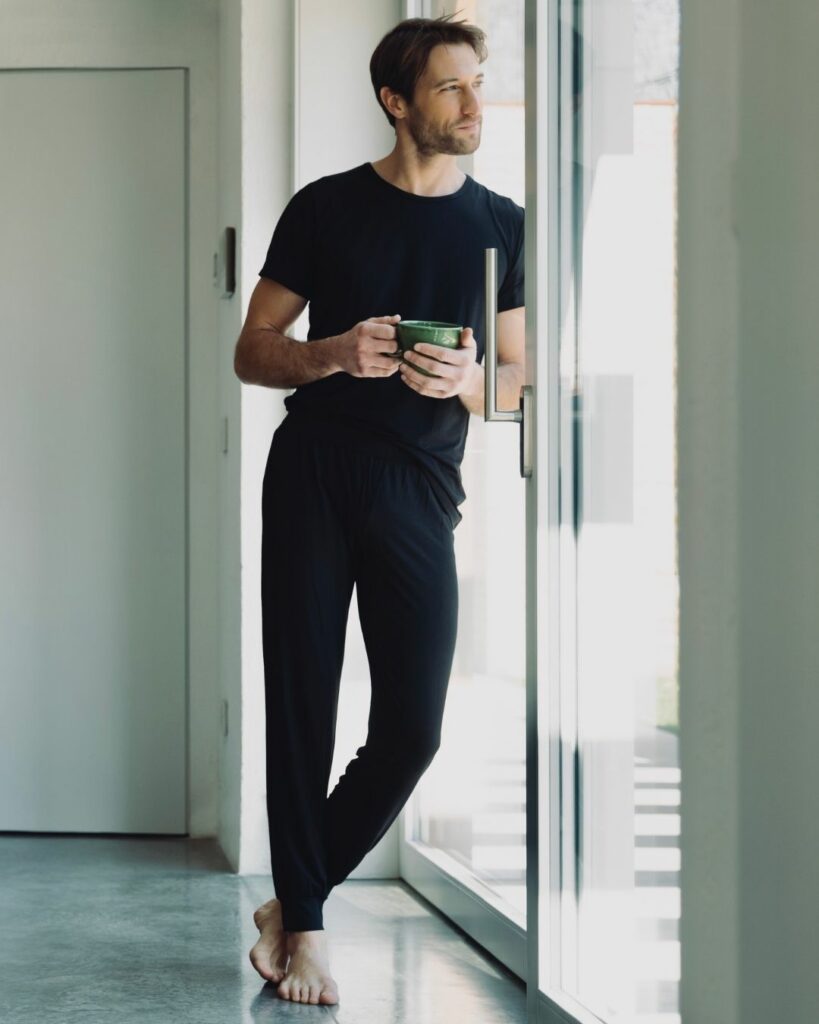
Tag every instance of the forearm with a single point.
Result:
(510, 380)
(271, 359)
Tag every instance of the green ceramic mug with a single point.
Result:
(431, 332)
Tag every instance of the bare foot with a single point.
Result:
(269, 955)
(308, 977)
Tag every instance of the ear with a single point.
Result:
(394, 102)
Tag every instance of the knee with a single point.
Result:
(418, 748)
(406, 748)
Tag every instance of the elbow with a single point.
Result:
(239, 367)
(515, 367)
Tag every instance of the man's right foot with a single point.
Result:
(269, 955)
(308, 978)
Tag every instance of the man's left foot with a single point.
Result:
(269, 956)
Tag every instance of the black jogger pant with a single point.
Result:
(334, 514)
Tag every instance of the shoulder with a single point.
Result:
(331, 186)
(317, 199)
(504, 211)
(502, 206)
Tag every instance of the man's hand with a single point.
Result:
(368, 349)
(456, 369)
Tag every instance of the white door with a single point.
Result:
(92, 451)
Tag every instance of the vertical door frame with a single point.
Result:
(551, 846)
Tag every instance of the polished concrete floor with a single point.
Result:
(99, 930)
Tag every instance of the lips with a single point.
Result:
(473, 125)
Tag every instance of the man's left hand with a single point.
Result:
(456, 369)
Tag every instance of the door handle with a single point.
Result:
(522, 414)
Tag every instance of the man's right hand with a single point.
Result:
(368, 349)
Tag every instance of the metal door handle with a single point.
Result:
(490, 365)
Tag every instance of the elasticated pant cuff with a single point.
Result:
(302, 913)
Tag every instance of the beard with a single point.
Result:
(430, 139)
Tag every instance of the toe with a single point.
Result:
(328, 995)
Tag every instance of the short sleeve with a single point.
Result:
(291, 255)
(510, 293)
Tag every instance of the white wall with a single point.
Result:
(256, 184)
(749, 528)
(708, 348)
(230, 323)
(294, 129)
(151, 33)
(245, 145)
(339, 123)
(778, 230)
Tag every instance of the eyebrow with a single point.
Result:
(445, 80)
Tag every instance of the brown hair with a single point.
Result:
(400, 58)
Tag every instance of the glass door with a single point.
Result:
(464, 843)
(601, 156)
(548, 825)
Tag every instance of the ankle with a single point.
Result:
(306, 938)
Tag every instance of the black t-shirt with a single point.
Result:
(356, 246)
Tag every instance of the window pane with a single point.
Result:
(471, 801)
(620, 945)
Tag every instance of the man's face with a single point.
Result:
(447, 98)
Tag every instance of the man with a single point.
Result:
(362, 483)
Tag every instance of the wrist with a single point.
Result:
(327, 349)
(476, 385)
(472, 397)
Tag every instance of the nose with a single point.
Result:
(471, 103)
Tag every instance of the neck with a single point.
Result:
(437, 175)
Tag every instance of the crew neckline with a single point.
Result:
(414, 195)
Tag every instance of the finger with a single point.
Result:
(422, 381)
(408, 380)
(382, 331)
(423, 385)
(382, 371)
(429, 363)
(385, 360)
(437, 353)
(384, 319)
